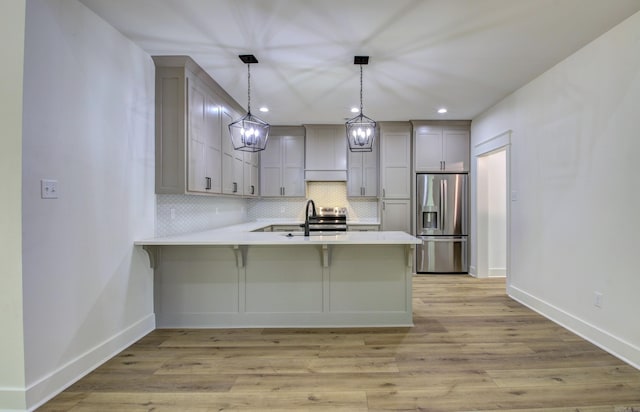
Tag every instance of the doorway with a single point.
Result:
(492, 211)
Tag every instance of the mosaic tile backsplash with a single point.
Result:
(323, 194)
(177, 214)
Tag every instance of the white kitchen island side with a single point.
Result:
(234, 278)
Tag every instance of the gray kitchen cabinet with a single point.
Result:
(204, 130)
(441, 146)
(282, 163)
(250, 174)
(232, 160)
(395, 176)
(363, 228)
(362, 177)
(286, 228)
(396, 215)
(190, 127)
(326, 153)
(395, 162)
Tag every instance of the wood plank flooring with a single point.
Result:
(472, 349)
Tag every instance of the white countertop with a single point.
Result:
(242, 234)
(280, 221)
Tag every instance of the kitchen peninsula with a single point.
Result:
(239, 276)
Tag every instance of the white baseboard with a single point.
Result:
(12, 399)
(497, 272)
(46, 388)
(473, 272)
(619, 348)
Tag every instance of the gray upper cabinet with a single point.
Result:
(232, 160)
(362, 178)
(441, 146)
(395, 175)
(251, 174)
(325, 153)
(282, 163)
(395, 161)
(203, 129)
(192, 114)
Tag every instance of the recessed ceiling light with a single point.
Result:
(442, 110)
(264, 109)
(354, 110)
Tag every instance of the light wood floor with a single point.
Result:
(472, 348)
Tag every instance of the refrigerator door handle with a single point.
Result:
(443, 204)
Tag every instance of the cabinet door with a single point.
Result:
(396, 215)
(232, 160)
(370, 172)
(355, 176)
(428, 152)
(362, 179)
(456, 150)
(396, 165)
(212, 147)
(250, 174)
(196, 131)
(293, 166)
(238, 173)
(271, 168)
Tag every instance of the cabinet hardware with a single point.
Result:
(383, 193)
(235, 187)
(208, 182)
(384, 205)
(283, 191)
(253, 190)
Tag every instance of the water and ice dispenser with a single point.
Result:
(429, 220)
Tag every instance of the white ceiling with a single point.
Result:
(465, 55)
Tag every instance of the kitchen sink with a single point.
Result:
(313, 233)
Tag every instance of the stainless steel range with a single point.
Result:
(329, 219)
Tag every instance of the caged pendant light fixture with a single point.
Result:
(361, 130)
(249, 133)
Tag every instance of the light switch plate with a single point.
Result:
(49, 189)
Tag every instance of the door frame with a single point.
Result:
(485, 148)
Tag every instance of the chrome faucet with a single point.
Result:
(306, 215)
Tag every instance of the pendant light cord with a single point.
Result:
(249, 88)
(361, 90)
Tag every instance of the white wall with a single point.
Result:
(490, 218)
(574, 226)
(12, 377)
(88, 122)
(497, 213)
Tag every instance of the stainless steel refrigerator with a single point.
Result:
(442, 223)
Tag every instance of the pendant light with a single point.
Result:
(249, 133)
(361, 130)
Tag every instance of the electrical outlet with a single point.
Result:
(48, 189)
(217, 210)
(172, 212)
(597, 299)
(282, 209)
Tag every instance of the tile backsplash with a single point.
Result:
(323, 194)
(177, 214)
